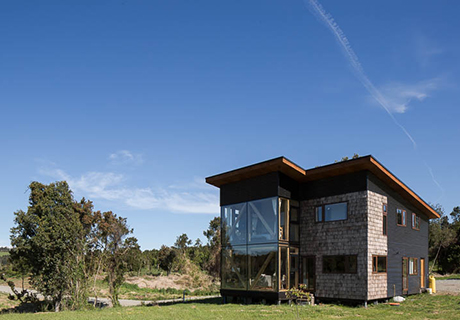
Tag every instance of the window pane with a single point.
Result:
(308, 272)
(234, 268)
(284, 268)
(294, 214)
(339, 264)
(399, 216)
(294, 232)
(263, 220)
(234, 224)
(384, 224)
(336, 211)
(263, 262)
(294, 269)
(283, 219)
(382, 264)
(319, 214)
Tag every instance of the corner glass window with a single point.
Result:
(263, 220)
(234, 268)
(263, 264)
(234, 224)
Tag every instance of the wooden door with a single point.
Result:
(422, 273)
(405, 273)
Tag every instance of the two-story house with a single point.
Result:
(348, 231)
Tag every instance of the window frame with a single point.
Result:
(414, 263)
(323, 212)
(346, 256)
(403, 217)
(385, 219)
(415, 222)
(375, 258)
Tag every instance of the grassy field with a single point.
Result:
(415, 307)
(2, 253)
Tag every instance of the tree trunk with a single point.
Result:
(57, 303)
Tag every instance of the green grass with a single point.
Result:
(447, 277)
(2, 253)
(132, 291)
(415, 307)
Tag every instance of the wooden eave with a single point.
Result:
(280, 164)
(297, 173)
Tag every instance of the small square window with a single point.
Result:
(401, 217)
(379, 264)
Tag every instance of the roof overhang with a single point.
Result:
(294, 171)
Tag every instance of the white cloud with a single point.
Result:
(109, 186)
(125, 157)
(399, 95)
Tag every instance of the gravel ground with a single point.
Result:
(452, 285)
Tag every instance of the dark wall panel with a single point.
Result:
(333, 186)
(251, 189)
(288, 187)
(402, 241)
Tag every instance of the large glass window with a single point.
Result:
(234, 268)
(294, 267)
(263, 263)
(332, 212)
(284, 215)
(340, 264)
(263, 221)
(234, 224)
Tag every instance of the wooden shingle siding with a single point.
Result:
(377, 245)
(345, 237)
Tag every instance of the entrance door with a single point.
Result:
(405, 278)
(422, 273)
(308, 273)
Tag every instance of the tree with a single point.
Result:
(213, 234)
(166, 257)
(182, 242)
(113, 232)
(442, 237)
(46, 238)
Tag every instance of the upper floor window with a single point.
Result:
(415, 222)
(340, 264)
(401, 217)
(385, 211)
(332, 212)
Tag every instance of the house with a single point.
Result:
(348, 231)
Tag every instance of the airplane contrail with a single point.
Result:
(322, 15)
(319, 11)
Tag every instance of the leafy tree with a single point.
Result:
(182, 242)
(115, 243)
(213, 234)
(166, 257)
(46, 238)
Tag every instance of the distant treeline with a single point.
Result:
(4, 249)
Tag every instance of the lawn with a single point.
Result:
(415, 307)
(3, 253)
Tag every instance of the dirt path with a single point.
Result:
(105, 302)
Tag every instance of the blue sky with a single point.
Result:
(134, 103)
